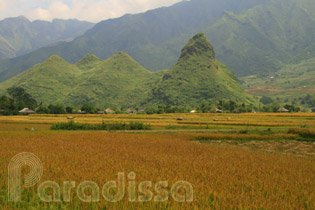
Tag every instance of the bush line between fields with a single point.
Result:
(304, 133)
(71, 125)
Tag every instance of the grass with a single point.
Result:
(71, 125)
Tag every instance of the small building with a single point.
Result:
(129, 111)
(2, 111)
(141, 110)
(283, 110)
(218, 110)
(100, 112)
(193, 111)
(27, 111)
(109, 111)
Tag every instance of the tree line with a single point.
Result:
(17, 99)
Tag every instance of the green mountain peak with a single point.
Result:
(124, 62)
(198, 77)
(55, 59)
(198, 46)
(121, 81)
(88, 60)
(122, 55)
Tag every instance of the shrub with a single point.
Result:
(303, 132)
(71, 125)
(243, 132)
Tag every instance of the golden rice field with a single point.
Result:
(245, 161)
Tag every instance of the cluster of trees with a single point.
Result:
(271, 106)
(16, 100)
(274, 107)
(308, 101)
(226, 106)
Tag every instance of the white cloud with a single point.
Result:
(90, 10)
(3, 5)
(56, 10)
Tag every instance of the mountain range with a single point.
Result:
(250, 36)
(197, 77)
(147, 37)
(268, 44)
(19, 36)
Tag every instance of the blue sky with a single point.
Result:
(90, 10)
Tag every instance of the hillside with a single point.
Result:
(111, 82)
(140, 35)
(121, 81)
(292, 81)
(198, 77)
(267, 37)
(19, 36)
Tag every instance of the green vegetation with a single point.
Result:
(71, 125)
(197, 78)
(18, 99)
(121, 82)
(305, 133)
(250, 36)
(292, 84)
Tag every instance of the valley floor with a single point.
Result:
(232, 161)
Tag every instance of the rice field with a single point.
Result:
(245, 161)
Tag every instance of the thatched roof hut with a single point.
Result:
(129, 111)
(283, 110)
(109, 111)
(27, 111)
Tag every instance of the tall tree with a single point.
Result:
(22, 98)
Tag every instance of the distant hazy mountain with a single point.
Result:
(139, 35)
(121, 81)
(19, 36)
(250, 36)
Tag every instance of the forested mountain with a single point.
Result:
(139, 35)
(251, 37)
(120, 81)
(19, 36)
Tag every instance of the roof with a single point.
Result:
(283, 110)
(130, 111)
(27, 111)
(108, 110)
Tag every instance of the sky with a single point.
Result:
(89, 10)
